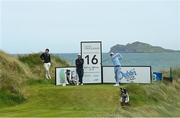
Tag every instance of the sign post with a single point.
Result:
(91, 52)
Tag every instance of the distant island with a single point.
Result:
(139, 47)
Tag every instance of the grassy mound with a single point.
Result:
(17, 72)
(12, 73)
(34, 62)
(12, 79)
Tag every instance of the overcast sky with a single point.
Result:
(60, 25)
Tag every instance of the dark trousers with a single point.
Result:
(80, 73)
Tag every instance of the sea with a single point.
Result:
(158, 61)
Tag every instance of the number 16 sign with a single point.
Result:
(91, 52)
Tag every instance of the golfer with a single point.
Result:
(79, 68)
(116, 58)
(46, 58)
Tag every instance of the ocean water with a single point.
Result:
(158, 61)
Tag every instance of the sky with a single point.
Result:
(28, 26)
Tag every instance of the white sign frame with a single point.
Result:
(91, 52)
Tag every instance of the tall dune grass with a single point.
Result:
(35, 64)
(16, 72)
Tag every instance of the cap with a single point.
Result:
(111, 53)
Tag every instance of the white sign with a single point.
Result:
(130, 75)
(92, 53)
(66, 75)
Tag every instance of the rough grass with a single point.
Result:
(42, 98)
(34, 62)
(17, 72)
(175, 73)
(12, 74)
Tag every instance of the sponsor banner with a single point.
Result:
(66, 75)
(129, 75)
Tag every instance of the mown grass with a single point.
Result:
(50, 100)
(36, 97)
(45, 99)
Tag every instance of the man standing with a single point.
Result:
(117, 66)
(46, 58)
(79, 68)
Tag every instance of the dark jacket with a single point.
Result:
(79, 63)
(46, 57)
